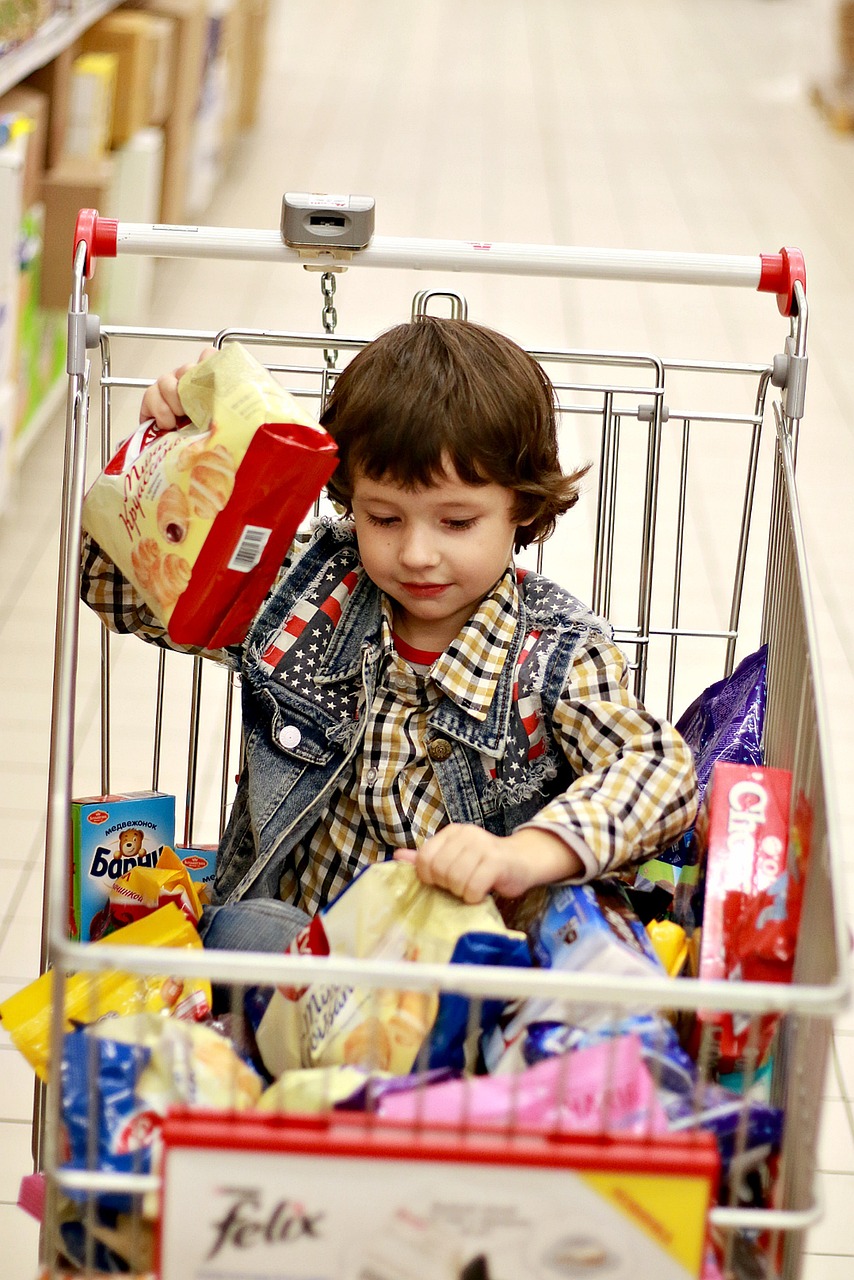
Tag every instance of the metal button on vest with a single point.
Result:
(439, 749)
(289, 736)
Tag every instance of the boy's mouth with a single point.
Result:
(425, 590)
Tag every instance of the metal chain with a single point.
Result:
(330, 315)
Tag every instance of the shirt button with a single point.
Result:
(371, 776)
(439, 749)
(289, 736)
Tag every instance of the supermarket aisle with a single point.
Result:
(645, 126)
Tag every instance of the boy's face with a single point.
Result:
(436, 552)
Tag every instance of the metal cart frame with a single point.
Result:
(795, 734)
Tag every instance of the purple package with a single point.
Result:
(723, 724)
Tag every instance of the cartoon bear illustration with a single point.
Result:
(130, 843)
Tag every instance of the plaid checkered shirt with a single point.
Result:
(634, 791)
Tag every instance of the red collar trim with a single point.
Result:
(422, 657)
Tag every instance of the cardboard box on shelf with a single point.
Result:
(42, 334)
(257, 13)
(845, 35)
(19, 21)
(190, 18)
(54, 79)
(127, 281)
(90, 110)
(127, 35)
(206, 158)
(164, 69)
(30, 107)
(71, 186)
(12, 158)
(234, 40)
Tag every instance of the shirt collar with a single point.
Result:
(469, 669)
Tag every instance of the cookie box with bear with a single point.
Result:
(109, 836)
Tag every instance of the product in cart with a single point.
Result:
(110, 837)
(143, 889)
(724, 724)
(200, 519)
(91, 996)
(346, 1201)
(200, 862)
(599, 1087)
(753, 870)
(587, 928)
(384, 913)
(142, 1065)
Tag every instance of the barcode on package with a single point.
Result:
(250, 548)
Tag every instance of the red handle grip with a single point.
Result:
(100, 236)
(779, 273)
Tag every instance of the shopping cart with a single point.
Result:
(655, 427)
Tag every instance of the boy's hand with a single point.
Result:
(471, 863)
(162, 402)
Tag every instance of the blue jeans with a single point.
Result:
(255, 924)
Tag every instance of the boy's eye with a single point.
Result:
(383, 521)
(462, 524)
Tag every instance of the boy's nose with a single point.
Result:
(417, 549)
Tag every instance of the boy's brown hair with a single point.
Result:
(436, 388)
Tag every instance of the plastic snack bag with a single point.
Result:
(199, 520)
(600, 1087)
(586, 928)
(92, 996)
(122, 1075)
(386, 912)
(144, 890)
(723, 724)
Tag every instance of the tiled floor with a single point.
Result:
(641, 125)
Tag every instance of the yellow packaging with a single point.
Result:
(145, 889)
(670, 943)
(90, 116)
(92, 996)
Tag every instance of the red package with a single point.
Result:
(753, 892)
(200, 519)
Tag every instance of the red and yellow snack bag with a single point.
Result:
(92, 996)
(145, 889)
(199, 520)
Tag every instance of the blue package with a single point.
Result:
(592, 926)
(99, 1080)
(446, 1042)
(720, 1112)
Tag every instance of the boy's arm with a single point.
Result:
(636, 789)
(122, 610)
(105, 589)
(635, 792)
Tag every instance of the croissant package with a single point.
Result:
(200, 519)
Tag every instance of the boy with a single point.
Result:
(408, 693)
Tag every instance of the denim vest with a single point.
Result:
(301, 734)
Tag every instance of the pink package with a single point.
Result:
(605, 1087)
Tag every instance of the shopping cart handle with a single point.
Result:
(780, 272)
(100, 236)
(768, 272)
